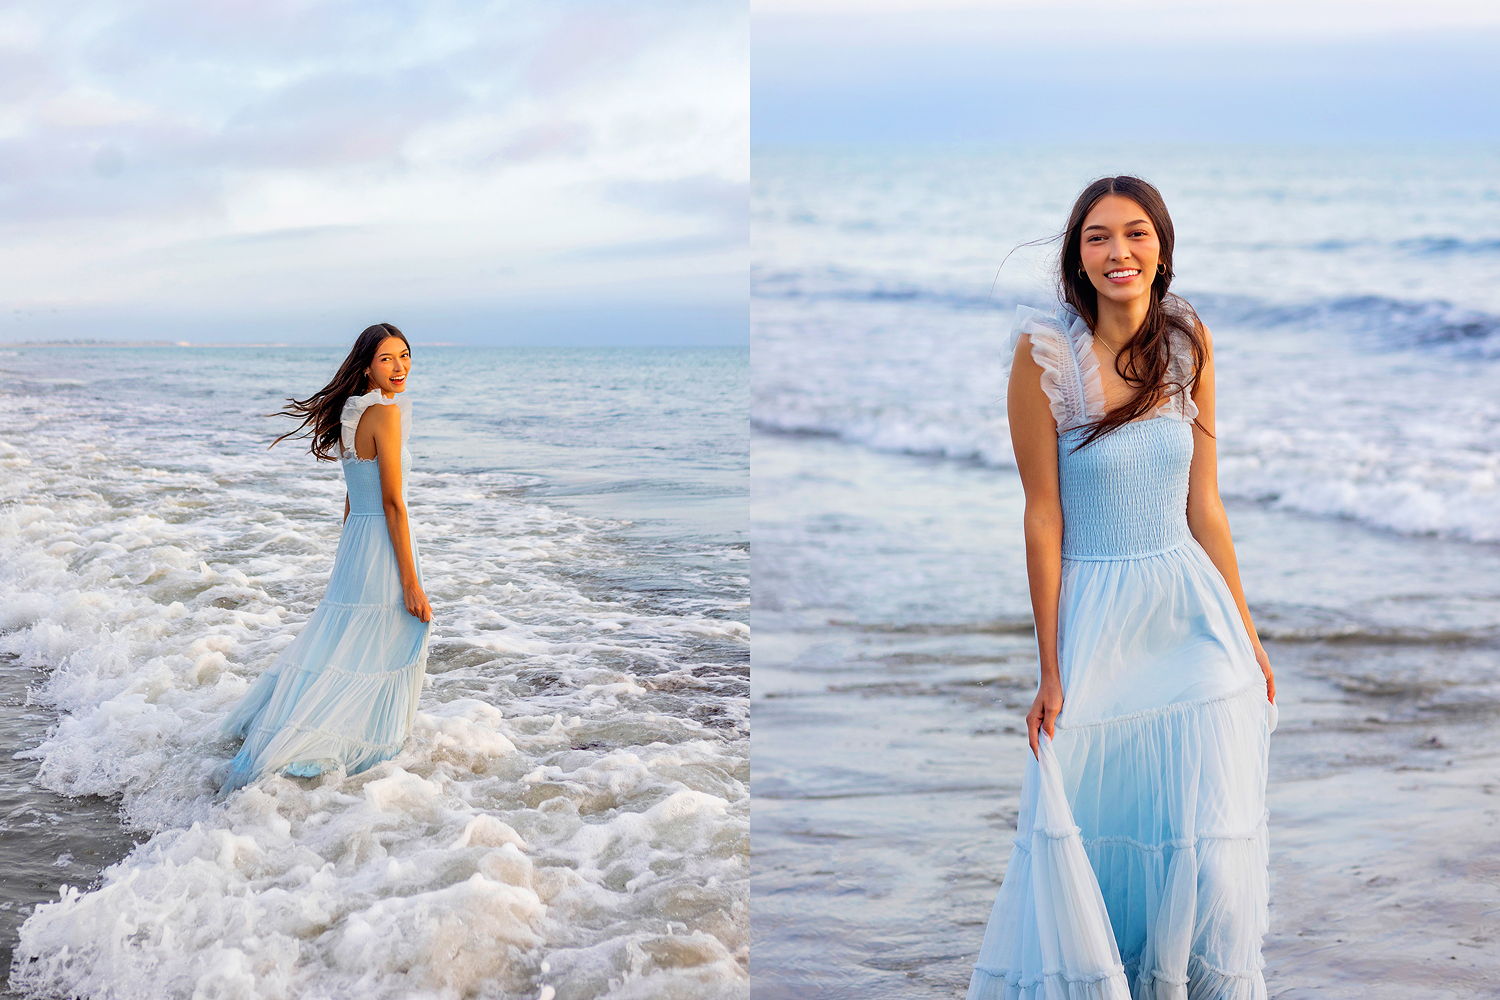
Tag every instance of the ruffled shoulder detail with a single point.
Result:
(1091, 382)
(1179, 368)
(1062, 346)
(355, 407)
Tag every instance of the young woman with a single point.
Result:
(344, 693)
(1139, 869)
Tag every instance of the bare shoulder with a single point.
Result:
(1207, 335)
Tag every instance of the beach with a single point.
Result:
(1356, 350)
(570, 816)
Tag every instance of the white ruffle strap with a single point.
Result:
(1179, 367)
(1061, 347)
(1088, 367)
(354, 409)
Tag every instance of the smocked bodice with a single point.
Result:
(362, 476)
(1125, 495)
(362, 479)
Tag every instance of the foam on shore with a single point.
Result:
(569, 818)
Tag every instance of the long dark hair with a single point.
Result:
(1149, 349)
(322, 411)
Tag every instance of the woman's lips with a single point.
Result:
(1122, 275)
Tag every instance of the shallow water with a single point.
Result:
(1357, 344)
(894, 664)
(571, 812)
(45, 839)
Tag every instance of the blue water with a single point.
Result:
(572, 808)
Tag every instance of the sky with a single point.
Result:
(290, 171)
(1247, 71)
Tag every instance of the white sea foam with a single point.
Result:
(1303, 421)
(569, 817)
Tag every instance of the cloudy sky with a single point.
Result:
(292, 170)
(1254, 71)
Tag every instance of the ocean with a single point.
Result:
(1353, 300)
(570, 818)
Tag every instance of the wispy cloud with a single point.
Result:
(182, 158)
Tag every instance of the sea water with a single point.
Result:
(570, 815)
(1355, 312)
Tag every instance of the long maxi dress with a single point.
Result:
(1139, 866)
(344, 692)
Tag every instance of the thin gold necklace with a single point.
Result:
(1100, 340)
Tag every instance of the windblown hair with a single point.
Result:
(322, 412)
(1144, 361)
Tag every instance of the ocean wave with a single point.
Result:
(1448, 246)
(901, 433)
(1378, 322)
(833, 284)
(1453, 492)
(570, 816)
(1375, 322)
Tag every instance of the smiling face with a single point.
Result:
(1119, 249)
(391, 366)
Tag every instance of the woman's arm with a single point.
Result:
(1033, 436)
(346, 507)
(1205, 510)
(385, 422)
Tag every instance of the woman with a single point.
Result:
(1140, 861)
(344, 693)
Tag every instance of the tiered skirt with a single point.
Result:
(344, 693)
(1139, 870)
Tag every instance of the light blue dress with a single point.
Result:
(344, 693)
(1139, 866)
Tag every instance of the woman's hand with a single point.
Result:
(416, 602)
(1049, 700)
(1265, 668)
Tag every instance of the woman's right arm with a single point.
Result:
(1033, 436)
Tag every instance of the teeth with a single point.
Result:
(1120, 274)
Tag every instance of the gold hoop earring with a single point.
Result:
(1080, 272)
(1161, 267)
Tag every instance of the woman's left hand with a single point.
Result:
(416, 602)
(1265, 668)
